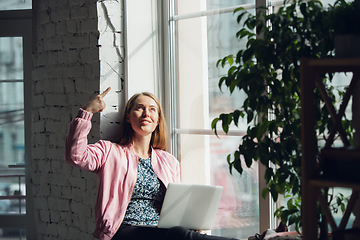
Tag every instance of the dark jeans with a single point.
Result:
(128, 232)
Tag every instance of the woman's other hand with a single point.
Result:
(97, 104)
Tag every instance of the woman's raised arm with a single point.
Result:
(77, 150)
(97, 104)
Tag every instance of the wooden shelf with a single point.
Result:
(341, 153)
(334, 161)
(328, 183)
(334, 64)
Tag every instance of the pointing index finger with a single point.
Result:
(103, 94)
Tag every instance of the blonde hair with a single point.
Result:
(158, 137)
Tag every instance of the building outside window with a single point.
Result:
(12, 181)
(15, 68)
(15, 4)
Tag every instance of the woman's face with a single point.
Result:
(143, 116)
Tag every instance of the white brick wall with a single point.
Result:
(111, 64)
(78, 52)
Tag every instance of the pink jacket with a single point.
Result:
(116, 169)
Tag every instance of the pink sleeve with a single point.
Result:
(77, 151)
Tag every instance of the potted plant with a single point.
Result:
(345, 21)
(267, 71)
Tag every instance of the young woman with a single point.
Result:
(133, 174)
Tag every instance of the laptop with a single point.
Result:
(190, 206)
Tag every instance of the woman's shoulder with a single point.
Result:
(115, 151)
(124, 148)
(165, 154)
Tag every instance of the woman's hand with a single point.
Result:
(97, 104)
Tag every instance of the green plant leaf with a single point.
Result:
(218, 62)
(213, 125)
(243, 33)
(236, 116)
(239, 9)
(248, 161)
(265, 192)
(268, 174)
(221, 81)
(225, 122)
(237, 163)
(250, 116)
(248, 53)
(274, 193)
(228, 159)
(230, 60)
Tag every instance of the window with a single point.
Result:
(12, 126)
(15, 4)
(16, 200)
(203, 32)
(182, 48)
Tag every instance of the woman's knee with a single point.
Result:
(177, 233)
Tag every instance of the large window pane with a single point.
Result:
(185, 6)
(221, 42)
(11, 58)
(15, 4)
(238, 214)
(200, 43)
(12, 159)
(12, 233)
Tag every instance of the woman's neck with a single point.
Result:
(142, 147)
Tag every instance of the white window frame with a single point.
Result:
(142, 44)
(265, 205)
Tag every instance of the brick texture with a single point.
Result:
(78, 52)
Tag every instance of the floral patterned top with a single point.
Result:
(147, 199)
